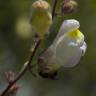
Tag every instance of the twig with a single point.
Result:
(23, 70)
(54, 8)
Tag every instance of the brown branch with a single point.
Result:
(23, 70)
(54, 8)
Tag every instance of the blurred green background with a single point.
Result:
(14, 51)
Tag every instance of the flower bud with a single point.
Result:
(41, 18)
(69, 7)
(40, 4)
(14, 89)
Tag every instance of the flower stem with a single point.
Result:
(54, 8)
(23, 69)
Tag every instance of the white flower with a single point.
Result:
(70, 44)
(67, 49)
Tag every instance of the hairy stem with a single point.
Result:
(23, 69)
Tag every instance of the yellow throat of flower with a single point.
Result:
(75, 34)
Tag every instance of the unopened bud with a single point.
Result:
(69, 7)
(41, 18)
(14, 89)
(40, 4)
(9, 76)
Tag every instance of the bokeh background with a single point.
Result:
(14, 51)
